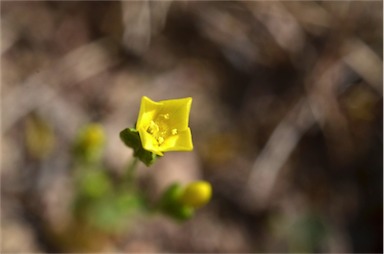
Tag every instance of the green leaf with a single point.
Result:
(131, 138)
(129, 203)
(114, 212)
(103, 214)
(94, 183)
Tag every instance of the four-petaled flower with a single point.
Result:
(163, 125)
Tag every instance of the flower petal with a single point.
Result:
(148, 109)
(180, 142)
(178, 112)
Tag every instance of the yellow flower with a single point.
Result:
(163, 125)
(197, 194)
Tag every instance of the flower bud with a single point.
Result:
(90, 142)
(93, 136)
(196, 194)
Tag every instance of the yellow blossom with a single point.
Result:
(163, 125)
(197, 194)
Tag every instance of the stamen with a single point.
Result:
(174, 131)
(165, 116)
(152, 128)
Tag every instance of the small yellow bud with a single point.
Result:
(90, 142)
(93, 135)
(196, 194)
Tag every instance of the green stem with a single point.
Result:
(129, 178)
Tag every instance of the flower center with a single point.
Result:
(159, 128)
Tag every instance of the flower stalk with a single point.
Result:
(129, 177)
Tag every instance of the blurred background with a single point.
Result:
(286, 121)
